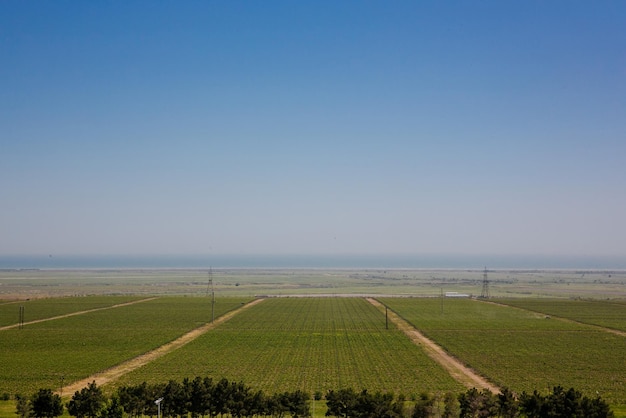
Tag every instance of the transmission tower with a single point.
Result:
(485, 292)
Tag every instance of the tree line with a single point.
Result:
(203, 397)
(200, 397)
(560, 403)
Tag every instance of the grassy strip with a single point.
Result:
(522, 350)
(50, 354)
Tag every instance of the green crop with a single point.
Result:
(37, 309)
(520, 349)
(49, 354)
(595, 312)
(314, 344)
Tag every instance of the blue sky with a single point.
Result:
(322, 127)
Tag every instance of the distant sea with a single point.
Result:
(51, 261)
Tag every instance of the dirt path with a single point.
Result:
(461, 373)
(115, 372)
(77, 313)
(560, 318)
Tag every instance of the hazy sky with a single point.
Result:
(495, 127)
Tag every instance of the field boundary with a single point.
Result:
(561, 318)
(115, 372)
(460, 372)
(53, 318)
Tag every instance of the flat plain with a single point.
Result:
(553, 331)
(597, 284)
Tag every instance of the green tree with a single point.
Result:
(532, 405)
(508, 407)
(424, 406)
(133, 399)
(274, 406)
(257, 404)
(567, 403)
(341, 403)
(112, 409)
(175, 400)
(347, 403)
(238, 400)
(596, 408)
(475, 404)
(450, 406)
(23, 408)
(87, 402)
(378, 405)
(296, 403)
(220, 397)
(564, 403)
(46, 404)
(199, 392)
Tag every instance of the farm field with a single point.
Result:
(522, 350)
(313, 344)
(54, 353)
(321, 342)
(36, 309)
(602, 313)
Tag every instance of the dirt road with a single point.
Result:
(77, 313)
(560, 318)
(115, 372)
(456, 369)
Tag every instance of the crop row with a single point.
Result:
(51, 353)
(519, 349)
(602, 313)
(36, 309)
(313, 344)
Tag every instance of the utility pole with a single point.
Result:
(442, 300)
(212, 294)
(386, 318)
(21, 319)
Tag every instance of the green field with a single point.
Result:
(602, 313)
(36, 309)
(317, 343)
(314, 344)
(52, 353)
(519, 349)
